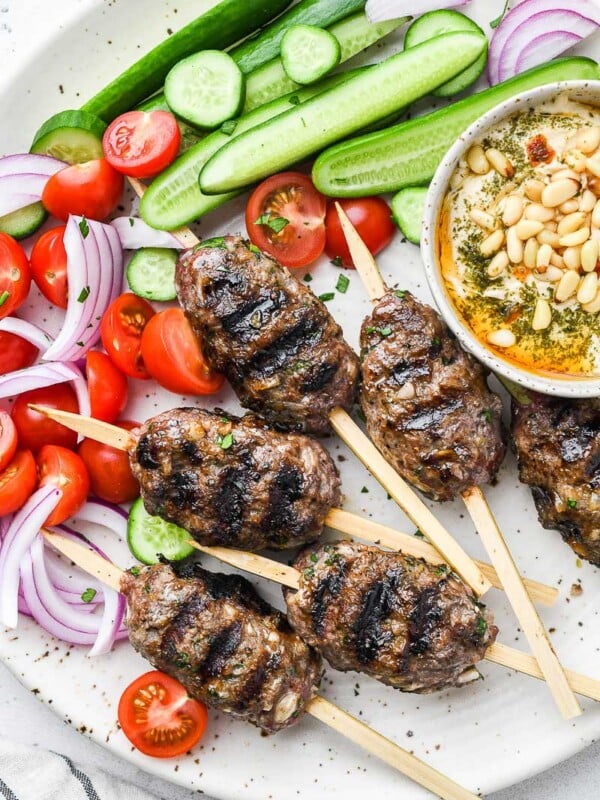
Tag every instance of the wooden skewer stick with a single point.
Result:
(496, 653)
(485, 523)
(403, 494)
(320, 708)
(337, 518)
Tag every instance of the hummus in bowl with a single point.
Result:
(511, 239)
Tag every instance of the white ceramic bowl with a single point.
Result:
(560, 385)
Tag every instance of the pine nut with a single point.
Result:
(553, 274)
(589, 255)
(544, 254)
(575, 159)
(500, 162)
(502, 338)
(514, 246)
(557, 193)
(569, 207)
(482, 218)
(577, 237)
(498, 264)
(542, 316)
(548, 237)
(588, 201)
(567, 286)
(572, 257)
(588, 139)
(526, 228)
(530, 253)
(556, 260)
(551, 226)
(477, 160)
(594, 186)
(513, 210)
(407, 391)
(596, 215)
(587, 288)
(593, 165)
(594, 306)
(561, 174)
(457, 180)
(572, 222)
(533, 189)
(492, 243)
(539, 212)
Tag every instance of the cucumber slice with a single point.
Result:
(149, 536)
(24, 222)
(71, 136)
(361, 101)
(407, 210)
(205, 89)
(409, 153)
(308, 53)
(151, 273)
(435, 23)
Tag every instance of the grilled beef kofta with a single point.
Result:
(234, 482)
(226, 645)
(268, 333)
(557, 443)
(403, 621)
(426, 402)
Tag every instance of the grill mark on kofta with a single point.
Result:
(430, 418)
(424, 619)
(230, 501)
(286, 488)
(377, 604)
(279, 354)
(248, 318)
(222, 647)
(328, 588)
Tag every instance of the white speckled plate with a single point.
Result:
(486, 736)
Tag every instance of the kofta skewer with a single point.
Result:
(497, 653)
(166, 620)
(473, 496)
(335, 518)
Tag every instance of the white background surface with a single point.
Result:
(23, 24)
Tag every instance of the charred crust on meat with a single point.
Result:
(424, 618)
(377, 603)
(145, 453)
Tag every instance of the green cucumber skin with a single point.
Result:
(296, 66)
(339, 112)
(191, 202)
(408, 154)
(407, 211)
(262, 48)
(24, 222)
(354, 33)
(217, 29)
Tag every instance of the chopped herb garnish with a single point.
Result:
(309, 573)
(216, 241)
(487, 414)
(83, 294)
(337, 261)
(84, 227)
(419, 534)
(387, 331)
(254, 249)
(88, 595)
(364, 490)
(228, 127)
(572, 503)
(495, 22)
(3, 298)
(314, 558)
(294, 100)
(401, 293)
(135, 571)
(131, 222)
(277, 224)
(326, 297)
(182, 660)
(343, 282)
(226, 441)
(481, 626)
(79, 344)
(307, 278)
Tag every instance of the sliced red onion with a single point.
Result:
(23, 529)
(381, 10)
(23, 163)
(110, 516)
(513, 34)
(545, 48)
(114, 612)
(41, 375)
(13, 201)
(26, 330)
(94, 275)
(135, 233)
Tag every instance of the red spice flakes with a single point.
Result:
(539, 151)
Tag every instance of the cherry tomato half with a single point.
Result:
(17, 482)
(111, 478)
(173, 357)
(142, 143)
(15, 275)
(8, 439)
(34, 429)
(159, 718)
(92, 189)
(64, 469)
(372, 218)
(121, 332)
(285, 218)
(15, 352)
(49, 266)
(107, 386)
